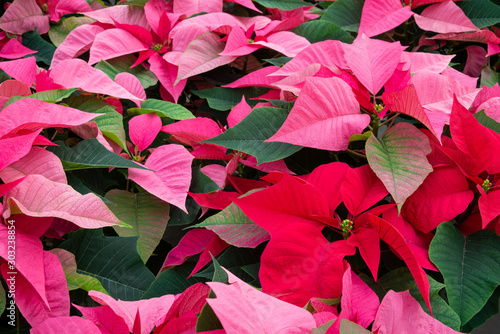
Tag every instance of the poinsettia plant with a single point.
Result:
(249, 166)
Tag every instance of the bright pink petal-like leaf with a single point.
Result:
(372, 61)
(191, 131)
(38, 196)
(396, 241)
(299, 264)
(368, 243)
(327, 179)
(202, 55)
(289, 201)
(259, 78)
(186, 305)
(483, 36)
(6, 187)
(445, 17)
(150, 310)
(23, 16)
(65, 325)
(359, 302)
(443, 195)
(421, 61)
(325, 105)
(285, 42)
(23, 69)
(63, 7)
(105, 318)
(170, 174)
(76, 73)
(122, 14)
(246, 3)
(361, 189)
(132, 84)
(32, 114)
(76, 42)
(143, 130)
(489, 205)
(472, 138)
(399, 312)
(35, 304)
(267, 167)
(113, 43)
(381, 16)
(272, 316)
(37, 161)
(15, 148)
(406, 102)
(14, 49)
(328, 53)
(167, 74)
(237, 44)
(194, 242)
(239, 111)
(190, 7)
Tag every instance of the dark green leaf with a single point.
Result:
(489, 310)
(90, 154)
(487, 121)
(225, 98)
(280, 61)
(122, 64)
(172, 281)
(81, 188)
(322, 30)
(248, 135)
(483, 13)
(345, 13)
(219, 275)
(349, 327)
(114, 261)
(162, 109)
(470, 266)
(110, 124)
(282, 4)
(55, 95)
(34, 41)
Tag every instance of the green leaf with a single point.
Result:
(345, 13)
(147, 214)
(81, 188)
(280, 61)
(114, 261)
(489, 77)
(250, 134)
(55, 95)
(172, 281)
(3, 300)
(349, 327)
(235, 228)
(207, 320)
(58, 31)
(322, 30)
(483, 13)
(233, 259)
(162, 109)
(110, 124)
(219, 275)
(90, 154)
(282, 4)
(74, 279)
(470, 266)
(399, 160)
(34, 41)
(98, 181)
(401, 279)
(487, 121)
(225, 98)
(489, 310)
(122, 64)
(323, 329)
